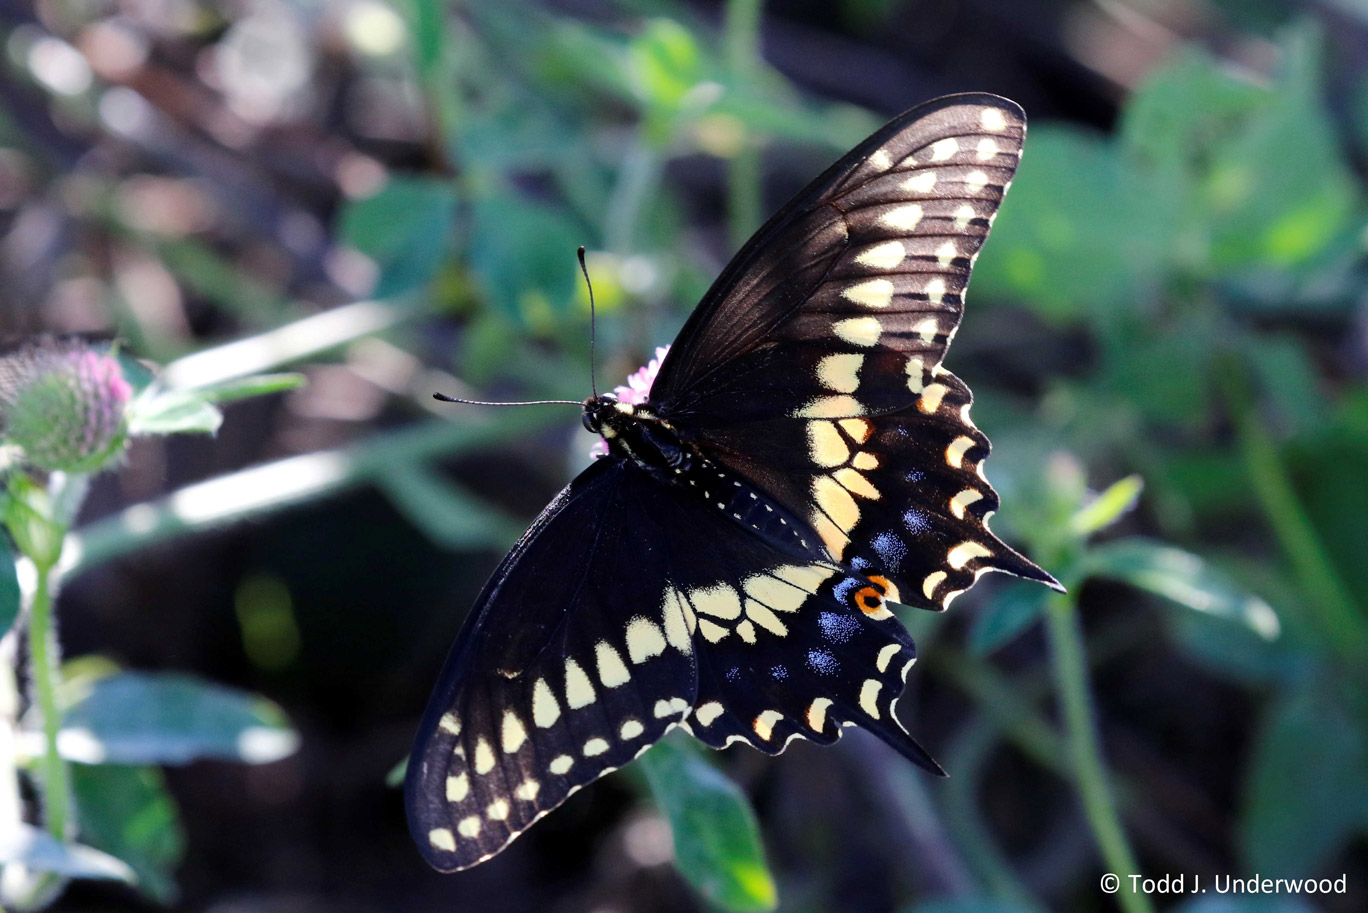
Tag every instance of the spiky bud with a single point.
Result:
(65, 405)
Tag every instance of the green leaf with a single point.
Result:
(178, 412)
(394, 777)
(168, 718)
(1183, 578)
(30, 521)
(248, 387)
(716, 841)
(9, 589)
(38, 850)
(1108, 507)
(523, 253)
(403, 229)
(1307, 792)
(127, 812)
(1014, 610)
(1087, 252)
(446, 512)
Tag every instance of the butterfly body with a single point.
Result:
(801, 461)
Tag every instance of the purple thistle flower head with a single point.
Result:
(636, 392)
(64, 404)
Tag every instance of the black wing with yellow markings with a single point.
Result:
(803, 460)
(813, 365)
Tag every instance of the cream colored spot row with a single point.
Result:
(883, 256)
(935, 290)
(746, 630)
(579, 691)
(561, 764)
(707, 713)
(498, 810)
(962, 500)
(949, 597)
(922, 182)
(869, 696)
(816, 713)
(443, 839)
(470, 827)
(669, 707)
(720, 601)
(679, 620)
(859, 429)
(595, 747)
(764, 723)
(886, 655)
(904, 218)
(992, 120)
(449, 723)
(944, 149)
(865, 460)
(875, 293)
(826, 448)
(926, 329)
(835, 502)
(933, 580)
(457, 787)
(956, 449)
(965, 552)
(763, 616)
(963, 216)
(545, 708)
(777, 594)
(987, 148)
(631, 729)
(881, 160)
(916, 374)
(808, 577)
(856, 483)
(830, 407)
(711, 631)
(513, 733)
(946, 254)
(840, 372)
(484, 757)
(644, 639)
(612, 671)
(858, 331)
(527, 790)
(975, 181)
(931, 397)
(907, 667)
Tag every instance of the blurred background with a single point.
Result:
(1165, 336)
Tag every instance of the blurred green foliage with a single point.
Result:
(1183, 289)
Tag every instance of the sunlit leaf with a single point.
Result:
(127, 812)
(1183, 578)
(167, 718)
(248, 387)
(523, 253)
(178, 412)
(27, 845)
(716, 842)
(1108, 507)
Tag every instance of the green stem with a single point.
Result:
(45, 657)
(1090, 775)
(741, 47)
(1337, 614)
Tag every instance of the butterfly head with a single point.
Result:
(634, 432)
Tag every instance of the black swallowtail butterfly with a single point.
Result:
(802, 460)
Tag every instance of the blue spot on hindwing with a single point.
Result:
(917, 522)
(891, 549)
(822, 662)
(779, 673)
(837, 627)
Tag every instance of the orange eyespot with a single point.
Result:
(869, 600)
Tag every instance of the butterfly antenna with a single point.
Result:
(479, 402)
(593, 384)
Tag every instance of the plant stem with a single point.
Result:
(1090, 775)
(741, 45)
(45, 657)
(1337, 615)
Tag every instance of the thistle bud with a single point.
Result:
(65, 405)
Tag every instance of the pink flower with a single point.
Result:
(636, 392)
